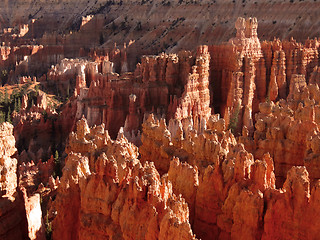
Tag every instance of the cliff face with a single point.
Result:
(216, 142)
(106, 192)
(230, 79)
(13, 225)
(30, 59)
(233, 196)
(238, 76)
(164, 84)
(214, 165)
(38, 127)
(235, 72)
(57, 29)
(244, 72)
(195, 100)
(9, 166)
(288, 129)
(20, 216)
(177, 21)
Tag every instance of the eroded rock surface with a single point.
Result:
(105, 192)
(219, 142)
(20, 215)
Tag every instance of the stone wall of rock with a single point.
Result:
(244, 73)
(28, 59)
(64, 21)
(159, 84)
(38, 129)
(105, 192)
(211, 163)
(187, 175)
(288, 129)
(20, 215)
(12, 221)
(241, 76)
(195, 100)
(231, 79)
(233, 196)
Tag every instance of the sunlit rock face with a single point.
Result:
(106, 192)
(21, 215)
(151, 120)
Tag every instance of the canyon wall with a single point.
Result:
(231, 197)
(220, 142)
(232, 79)
(21, 216)
(245, 72)
(285, 18)
(155, 86)
(110, 195)
(13, 221)
(151, 26)
(231, 194)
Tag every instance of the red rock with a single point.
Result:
(192, 174)
(34, 216)
(184, 179)
(283, 220)
(13, 222)
(135, 192)
(196, 98)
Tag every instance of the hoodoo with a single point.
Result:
(171, 119)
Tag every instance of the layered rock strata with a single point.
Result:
(244, 73)
(192, 175)
(156, 85)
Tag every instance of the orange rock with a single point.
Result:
(19, 218)
(134, 193)
(193, 175)
(281, 217)
(185, 181)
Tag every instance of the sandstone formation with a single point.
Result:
(288, 129)
(34, 125)
(21, 215)
(233, 196)
(105, 192)
(28, 59)
(13, 225)
(241, 74)
(214, 137)
(221, 161)
(122, 100)
(153, 25)
(245, 73)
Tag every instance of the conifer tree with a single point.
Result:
(6, 98)
(19, 104)
(2, 117)
(56, 155)
(57, 166)
(15, 105)
(9, 115)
